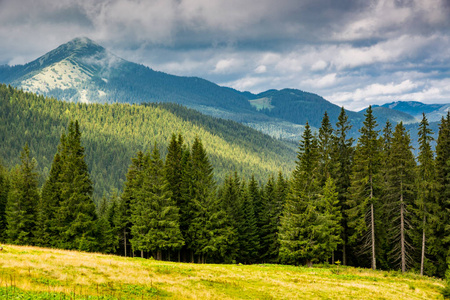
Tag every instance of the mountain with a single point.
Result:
(83, 71)
(113, 133)
(434, 112)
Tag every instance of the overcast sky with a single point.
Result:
(351, 52)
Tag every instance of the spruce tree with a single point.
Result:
(4, 189)
(249, 231)
(47, 212)
(441, 240)
(325, 148)
(343, 153)
(303, 232)
(155, 216)
(76, 213)
(269, 227)
(332, 217)
(132, 186)
(209, 229)
(23, 198)
(363, 200)
(400, 194)
(426, 189)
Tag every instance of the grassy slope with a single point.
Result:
(46, 274)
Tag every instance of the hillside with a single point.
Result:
(51, 274)
(113, 133)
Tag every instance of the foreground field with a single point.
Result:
(38, 273)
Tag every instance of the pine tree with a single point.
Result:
(303, 232)
(441, 240)
(331, 216)
(363, 199)
(47, 224)
(132, 186)
(325, 148)
(400, 196)
(269, 227)
(210, 232)
(154, 215)
(426, 188)
(4, 190)
(249, 231)
(23, 198)
(343, 159)
(77, 209)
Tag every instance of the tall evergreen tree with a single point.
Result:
(132, 186)
(47, 212)
(77, 209)
(363, 199)
(269, 227)
(441, 240)
(23, 198)
(325, 149)
(426, 188)
(343, 159)
(4, 189)
(209, 229)
(303, 232)
(249, 237)
(332, 216)
(155, 216)
(401, 194)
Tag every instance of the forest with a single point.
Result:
(367, 203)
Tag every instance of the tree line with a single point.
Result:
(369, 204)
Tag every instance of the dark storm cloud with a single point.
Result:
(351, 51)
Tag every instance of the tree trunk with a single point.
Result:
(422, 258)
(309, 263)
(125, 241)
(402, 234)
(344, 249)
(372, 224)
(332, 257)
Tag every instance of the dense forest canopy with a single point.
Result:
(366, 203)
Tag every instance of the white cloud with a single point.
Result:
(261, 69)
(321, 82)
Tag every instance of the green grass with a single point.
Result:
(38, 273)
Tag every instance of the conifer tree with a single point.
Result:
(47, 224)
(209, 229)
(303, 232)
(77, 209)
(331, 215)
(325, 148)
(132, 186)
(4, 189)
(441, 239)
(249, 232)
(155, 216)
(425, 187)
(268, 230)
(363, 200)
(343, 159)
(400, 194)
(23, 198)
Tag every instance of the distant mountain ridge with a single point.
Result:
(434, 112)
(83, 71)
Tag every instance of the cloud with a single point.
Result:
(349, 51)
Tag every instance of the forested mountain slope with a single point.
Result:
(113, 133)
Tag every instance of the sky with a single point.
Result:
(351, 52)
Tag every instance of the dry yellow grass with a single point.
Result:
(58, 271)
